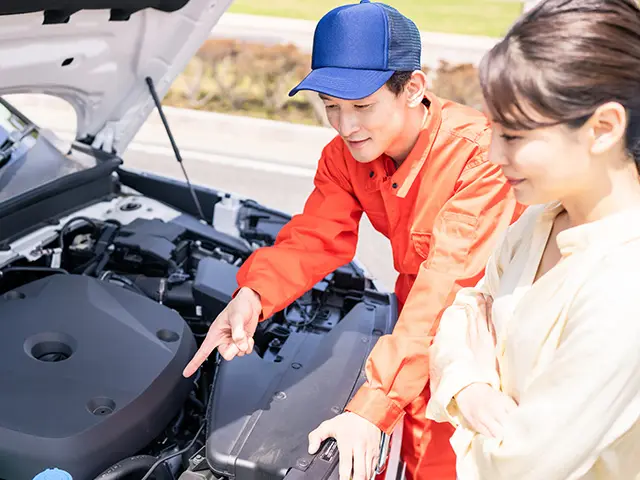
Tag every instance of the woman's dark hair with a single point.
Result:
(561, 61)
(398, 81)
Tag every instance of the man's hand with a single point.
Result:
(232, 332)
(358, 444)
(484, 408)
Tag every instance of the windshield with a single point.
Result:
(29, 157)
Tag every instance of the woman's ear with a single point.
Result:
(607, 127)
(416, 88)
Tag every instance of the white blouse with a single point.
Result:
(568, 353)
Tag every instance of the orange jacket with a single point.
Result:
(443, 210)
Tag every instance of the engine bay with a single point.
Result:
(103, 308)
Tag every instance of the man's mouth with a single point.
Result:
(357, 143)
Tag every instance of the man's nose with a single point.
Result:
(348, 124)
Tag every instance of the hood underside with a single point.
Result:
(96, 54)
(59, 11)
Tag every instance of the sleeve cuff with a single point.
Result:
(373, 405)
(442, 405)
(262, 315)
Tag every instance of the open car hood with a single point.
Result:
(96, 54)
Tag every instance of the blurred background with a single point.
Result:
(240, 132)
(260, 50)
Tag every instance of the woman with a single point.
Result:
(538, 367)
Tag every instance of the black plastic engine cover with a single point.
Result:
(150, 237)
(261, 412)
(90, 373)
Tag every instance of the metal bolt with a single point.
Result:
(302, 463)
(280, 396)
(364, 339)
(296, 366)
(377, 332)
(336, 410)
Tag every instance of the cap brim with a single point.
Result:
(345, 83)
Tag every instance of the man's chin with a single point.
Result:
(363, 157)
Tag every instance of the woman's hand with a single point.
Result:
(484, 408)
(481, 335)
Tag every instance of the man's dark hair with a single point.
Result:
(398, 81)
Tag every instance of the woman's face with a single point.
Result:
(542, 165)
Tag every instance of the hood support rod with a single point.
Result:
(176, 151)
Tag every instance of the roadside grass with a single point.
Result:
(470, 17)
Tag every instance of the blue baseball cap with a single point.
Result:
(358, 47)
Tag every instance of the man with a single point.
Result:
(417, 166)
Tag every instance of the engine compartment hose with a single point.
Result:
(139, 464)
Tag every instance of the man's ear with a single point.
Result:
(416, 88)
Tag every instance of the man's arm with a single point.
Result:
(312, 244)
(465, 233)
(309, 247)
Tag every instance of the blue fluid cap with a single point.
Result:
(53, 474)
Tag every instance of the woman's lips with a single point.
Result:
(515, 181)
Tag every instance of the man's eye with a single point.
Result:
(330, 107)
(362, 107)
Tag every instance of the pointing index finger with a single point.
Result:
(210, 343)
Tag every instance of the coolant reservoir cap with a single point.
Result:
(53, 474)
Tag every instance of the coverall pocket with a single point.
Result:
(422, 243)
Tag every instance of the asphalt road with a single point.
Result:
(271, 162)
(282, 190)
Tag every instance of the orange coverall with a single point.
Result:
(443, 210)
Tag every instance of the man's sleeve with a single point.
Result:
(312, 244)
(465, 232)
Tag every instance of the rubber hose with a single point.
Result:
(174, 296)
(33, 269)
(132, 465)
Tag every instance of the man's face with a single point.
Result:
(370, 126)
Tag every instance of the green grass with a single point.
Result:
(471, 17)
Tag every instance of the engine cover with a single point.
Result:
(90, 373)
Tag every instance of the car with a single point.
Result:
(110, 277)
